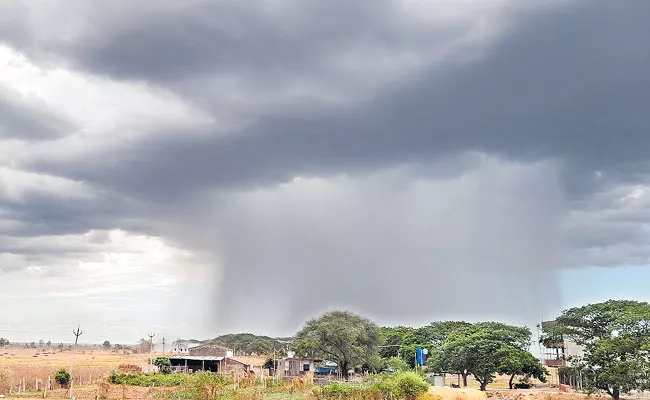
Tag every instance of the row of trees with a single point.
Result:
(482, 350)
(248, 344)
(615, 336)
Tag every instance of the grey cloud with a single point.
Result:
(164, 41)
(21, 119)
(558, 85)
(378, 243)
(566, 84)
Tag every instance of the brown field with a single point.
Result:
(36, 365)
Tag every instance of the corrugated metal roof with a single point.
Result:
(197, 358)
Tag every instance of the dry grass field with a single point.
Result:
(34, 366)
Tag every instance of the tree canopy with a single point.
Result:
(248, 343)
(517, 361)
(616, 339)
(341, 336)
(482, 349)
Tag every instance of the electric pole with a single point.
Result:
(163, 347)
(76, 333)
(151, 335)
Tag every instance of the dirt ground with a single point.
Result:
(32, 367)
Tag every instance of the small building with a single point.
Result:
(295, 366)
(183, 346)
(557, 352)
(189, 364)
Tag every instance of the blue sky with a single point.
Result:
(590, 285)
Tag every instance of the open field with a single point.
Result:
(92, 364)
(34, 366)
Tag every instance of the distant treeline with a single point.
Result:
(249, 344)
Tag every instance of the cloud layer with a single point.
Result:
(410, 160)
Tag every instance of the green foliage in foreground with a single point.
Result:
(199, 379)
(62, 377)
(404, 385)
(164, 365)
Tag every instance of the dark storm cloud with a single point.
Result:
(568, 83)
(163, 41)
(561, 91)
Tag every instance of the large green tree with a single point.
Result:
(517, 361)
(341, 336)
(403, 341)
(616, 339)
(480, 349)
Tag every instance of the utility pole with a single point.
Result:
(76, 333)
(163, 347)
(151, 335)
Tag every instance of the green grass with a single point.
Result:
(201, 379)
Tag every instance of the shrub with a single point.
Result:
(409, 385)
(339, 389)
(62, 377)
(523, 385)
(385, 385)
(200, 379)
(164, 365)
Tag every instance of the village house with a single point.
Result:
(213, 350)
(211, 358)
(291, 366)
(183, 346)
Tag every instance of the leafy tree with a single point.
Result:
(396, 364)
(373, 364)
(270, 364)
(32, 345)
(62, 377)
(164, 365)
(480, 349)
(616, 339)
(41, 343)
(517, 361)
(346, 338)
(106, 345)
(49, 343)
(3, 342)
(249, 343)
(392, 338)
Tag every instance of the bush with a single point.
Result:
(523, 385)
(62, 377)
(199, 379)
(164, 365)
(339, 389)
(396, 364)
(409, 385)
(385, 385)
